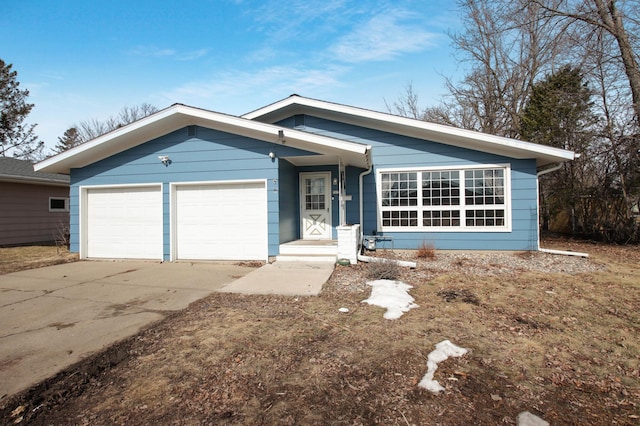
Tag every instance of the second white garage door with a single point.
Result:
(221, 221)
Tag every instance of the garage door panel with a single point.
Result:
(221, 221)
(124, 223)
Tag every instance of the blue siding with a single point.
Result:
(352, 188)
(289, 202)
(396, 151)
(74, 219)
(211, 156)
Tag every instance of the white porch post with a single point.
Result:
(342, 192)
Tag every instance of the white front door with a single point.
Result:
(315, 209)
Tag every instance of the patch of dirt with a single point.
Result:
(464, 295)
(561, 343)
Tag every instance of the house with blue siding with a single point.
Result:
(291, 177)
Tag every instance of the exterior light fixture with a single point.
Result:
(164, 159)
(272, 155)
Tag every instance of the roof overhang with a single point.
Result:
(32, 180)
(511, 148)
(179, 116)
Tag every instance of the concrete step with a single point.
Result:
(309, 249)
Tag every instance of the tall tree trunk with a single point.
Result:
(612, 22)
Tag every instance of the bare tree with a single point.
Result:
(614, 20)
(407, 104)
(91, 129)
(130, 114)
(508, 46)
(615, 161)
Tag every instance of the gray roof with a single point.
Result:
(21, 171)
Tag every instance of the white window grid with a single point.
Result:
(451, 199)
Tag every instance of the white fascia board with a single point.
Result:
(413, 128)
(276, 106)
(103, 146)
(179, 116)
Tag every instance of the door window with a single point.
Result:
(314, 193)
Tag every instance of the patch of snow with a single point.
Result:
(391, 295)
(343, 310)
(527, 419)
(443, 351)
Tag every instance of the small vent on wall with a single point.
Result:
(298, 121)
(192, 131)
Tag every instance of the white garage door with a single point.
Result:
(221, 221)
(124, 223)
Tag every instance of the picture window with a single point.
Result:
(452, 199)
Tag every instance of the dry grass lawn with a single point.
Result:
(13, 259)
(562, 346)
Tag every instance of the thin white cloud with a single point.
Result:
(345, 31)
(297, 13)
(157, 52)
(192, 55)
(383, 37)
(152, 51)
(301, 20)
(268, 82)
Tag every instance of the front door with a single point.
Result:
(315, 200)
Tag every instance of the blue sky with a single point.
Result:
(88, 59)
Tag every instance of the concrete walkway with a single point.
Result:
(284, 278)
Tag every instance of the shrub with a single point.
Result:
(383, 269)
(62, 236)
(426, 251)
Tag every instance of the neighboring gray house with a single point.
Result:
(187, 183)
(34, 206)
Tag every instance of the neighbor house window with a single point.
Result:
(58, 204)
(444, 199)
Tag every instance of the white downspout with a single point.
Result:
(550, 251)
(360, 256)
(369, 259)
(360, 200)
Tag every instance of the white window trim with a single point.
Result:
(449, 229)
(66, 205)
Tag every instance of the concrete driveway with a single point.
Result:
(53, 317)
